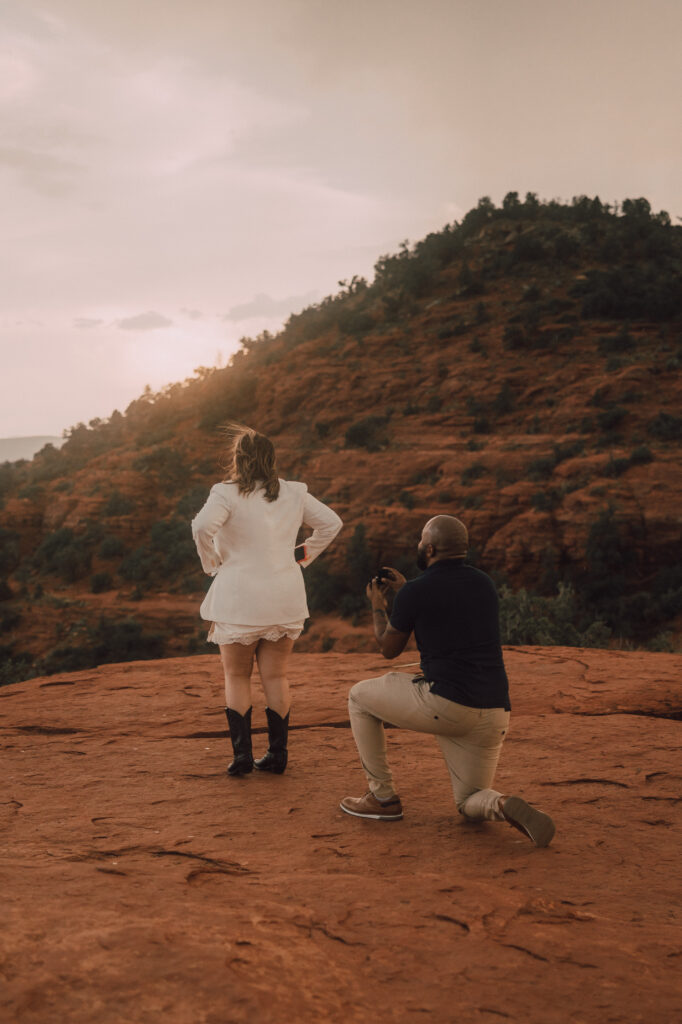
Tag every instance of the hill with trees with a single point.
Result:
(519, 369)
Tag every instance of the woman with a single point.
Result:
(246, 535)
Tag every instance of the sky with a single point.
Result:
(175, 176)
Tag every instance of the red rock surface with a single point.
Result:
(140, 884)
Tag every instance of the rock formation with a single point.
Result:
(140, 883)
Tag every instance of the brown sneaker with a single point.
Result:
(535, 824)
(368, 806)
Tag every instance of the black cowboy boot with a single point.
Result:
(240, 734)
(275, 760)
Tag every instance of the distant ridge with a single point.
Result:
(519, 370)
(14, 448)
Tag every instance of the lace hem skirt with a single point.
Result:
(234, 633)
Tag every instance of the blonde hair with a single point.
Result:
(251, 461)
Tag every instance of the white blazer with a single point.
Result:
(247, 543)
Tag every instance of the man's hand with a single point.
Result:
(376, 595)
(394, 580)
(391, 642)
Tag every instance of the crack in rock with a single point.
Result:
(522, 949)
(670, 716)
(47, 730)
(313, 926)
(452, 920)
(226, 866)
(581, 782)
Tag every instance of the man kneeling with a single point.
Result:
(461, 695)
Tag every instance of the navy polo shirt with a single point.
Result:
(454, 612)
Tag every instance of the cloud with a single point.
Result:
(86, 322)
(192, 314)
(150, 321)
(45, 172)
(264, 305)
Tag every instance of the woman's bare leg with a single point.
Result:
(237, 662)
(272, 657)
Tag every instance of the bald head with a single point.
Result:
(448, 536)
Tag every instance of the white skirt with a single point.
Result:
(233, 633)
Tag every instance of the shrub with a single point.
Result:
(616, 467)
(138, 566)
(323, 588)
(514, 337)
(526, 618)
(473, 472)
(110, 641)
(173, 536)
(610, 557)
(34, 492)
(453, 329)
(118, 505)
(641, 455)
(111, 547)
(168, 553)
(100, 582)
(644, 291)
(662, 642)
(14, 668)
(369, 432)
(126, 640)
(531, 293)
(540, 469)
(472, 501)
(166, 464)
(528, 249)
(356, 322)
(9, 619)
(406, 499)
(342, 593)
(616, 343)
(665, 427)
(469, 283)
(63, 553)
(611, 418)
(191, 502)
(503, 401)
(565, 246)
(545, 501)
(426, 475)
(9, 551)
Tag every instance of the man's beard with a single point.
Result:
(421, 558)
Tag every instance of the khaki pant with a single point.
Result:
(470, 738)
